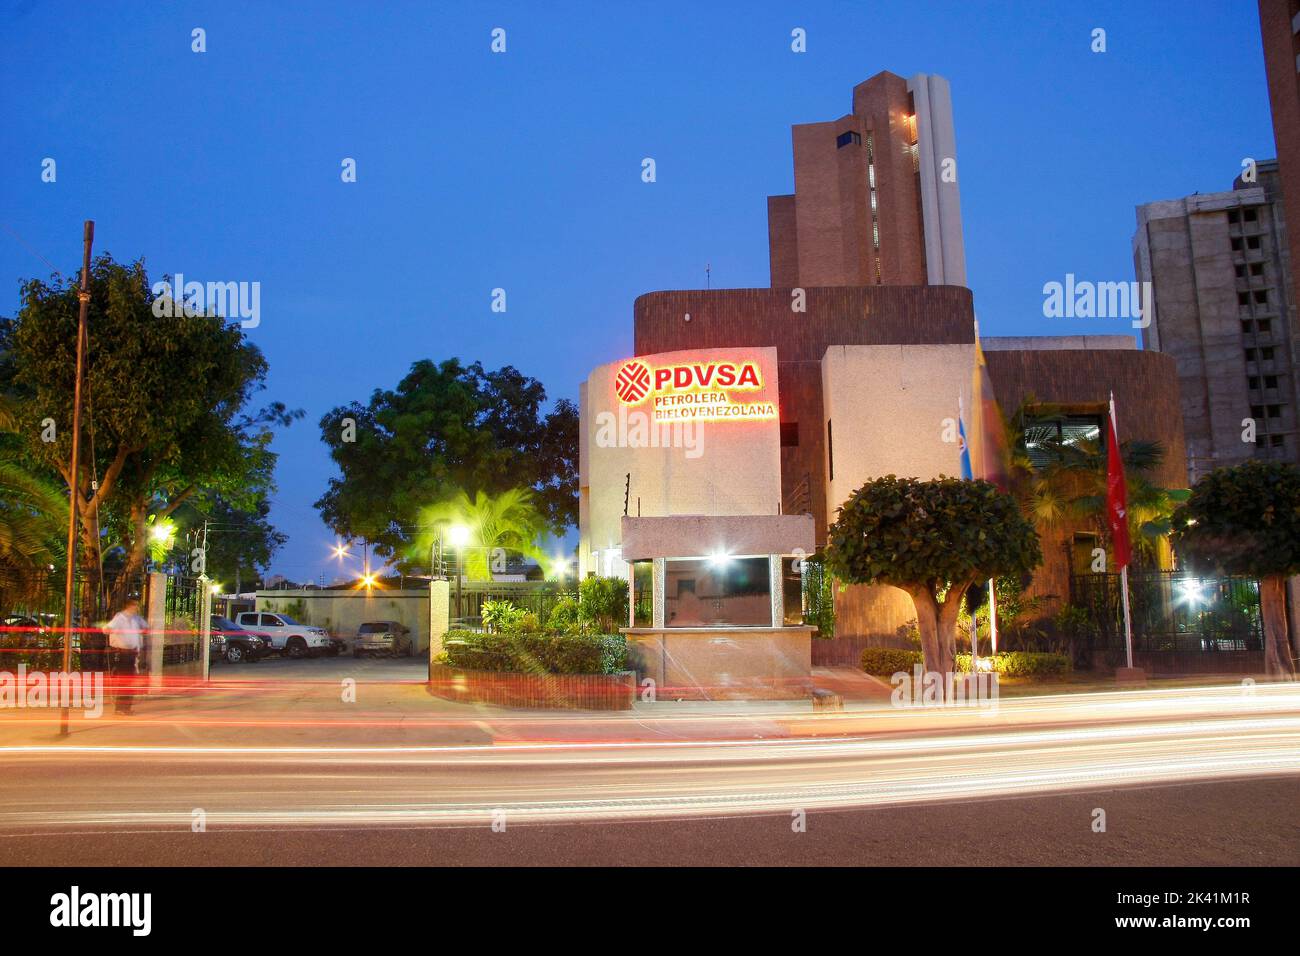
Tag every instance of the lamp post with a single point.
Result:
(459, 536)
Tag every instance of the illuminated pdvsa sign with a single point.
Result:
(694, 391)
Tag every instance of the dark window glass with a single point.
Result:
(717, 592)
(1266, 354)
(830, 452)
(1236, 245)
(1243, 298)
(1264, 325)
(1252, 381)
(643, 593)
(1270, 381)
(1045, 436)
(1246, 327)
(1234, 215)
(1252, 242)
(1261, 296)
(1251, 215)
(1240, 271)
(792, 592)
(847, 139)
(1257, 268)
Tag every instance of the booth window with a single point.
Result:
(717, 592)
(792, 591)
(643, 576)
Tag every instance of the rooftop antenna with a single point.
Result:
(708, 275)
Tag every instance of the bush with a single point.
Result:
(1023, 664)
(564, 617)
(887, 661)
(503, 617)
(534, 653)
(603, 602)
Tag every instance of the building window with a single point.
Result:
(717, 592)
(1252, 242)
(1243, 298)
(1240, 270)
(1264, 325)
(792, 592)
(643, 590)
(1252, 381)
(1257, 268)
(789, 434)
(830, 452)
(1246, 327)
(1234, 216)
(1045, 437)
(1236, 245)
(1270, 381)
(1250, 215)
(850, 138)
(1250, 357)
(1266, 354)
(1261, 297)
(1256, 412)
(1274, 411)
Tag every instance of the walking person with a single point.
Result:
(126, 643)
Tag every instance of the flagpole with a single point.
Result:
(1123, 571)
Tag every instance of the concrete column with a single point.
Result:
(439, 616)
(205, 626)
(156, 639)
(777, 591)
(658, 590)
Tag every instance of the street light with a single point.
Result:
(458, 534)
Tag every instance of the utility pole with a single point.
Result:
(83, 294)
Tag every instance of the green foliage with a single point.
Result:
(532, 653)
(565, 617)
(1031, 664)
(445, 429)
(1242, 520)
(603, 603)
(887, 661)
(33, 512)
(166, 403)
(507, 521)
(933, 534)
(819, 597)
(503, 617)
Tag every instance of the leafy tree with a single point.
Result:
(447, 428)
(504, 522)
(1246, 520)
(240, 542)
(165, 398)
(33, 513)
(933, 539)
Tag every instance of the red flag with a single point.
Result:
(1117, 498)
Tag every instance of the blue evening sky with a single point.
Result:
(522, 170)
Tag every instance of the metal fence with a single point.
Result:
(467, 599)
(1182, 622)
(33, 619)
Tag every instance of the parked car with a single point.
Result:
(390, 638)
(240, 644)
(216, 646)
(287, 636)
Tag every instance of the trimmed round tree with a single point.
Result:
(933, 539)
(1246, 520)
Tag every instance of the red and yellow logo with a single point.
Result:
(632, 383)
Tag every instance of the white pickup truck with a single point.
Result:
(287, 636)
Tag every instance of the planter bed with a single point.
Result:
(533, 691)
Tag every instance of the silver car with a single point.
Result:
(389, 638)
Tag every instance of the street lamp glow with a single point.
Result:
(458, 535)
(161, 531)
(340, 551)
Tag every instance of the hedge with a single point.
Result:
(888, 661)
(536, 653)
(1023, 664)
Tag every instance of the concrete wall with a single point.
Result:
(719, 664)
(341, 612)
(727, 468)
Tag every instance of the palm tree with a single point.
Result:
(497, 523)
(1070, 486)
(33, 515)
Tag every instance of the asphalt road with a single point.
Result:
(1205, 777)
(1243, 823)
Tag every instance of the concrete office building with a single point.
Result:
(720, 451)
(1222, 305)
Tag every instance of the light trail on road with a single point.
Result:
(1029, 746)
